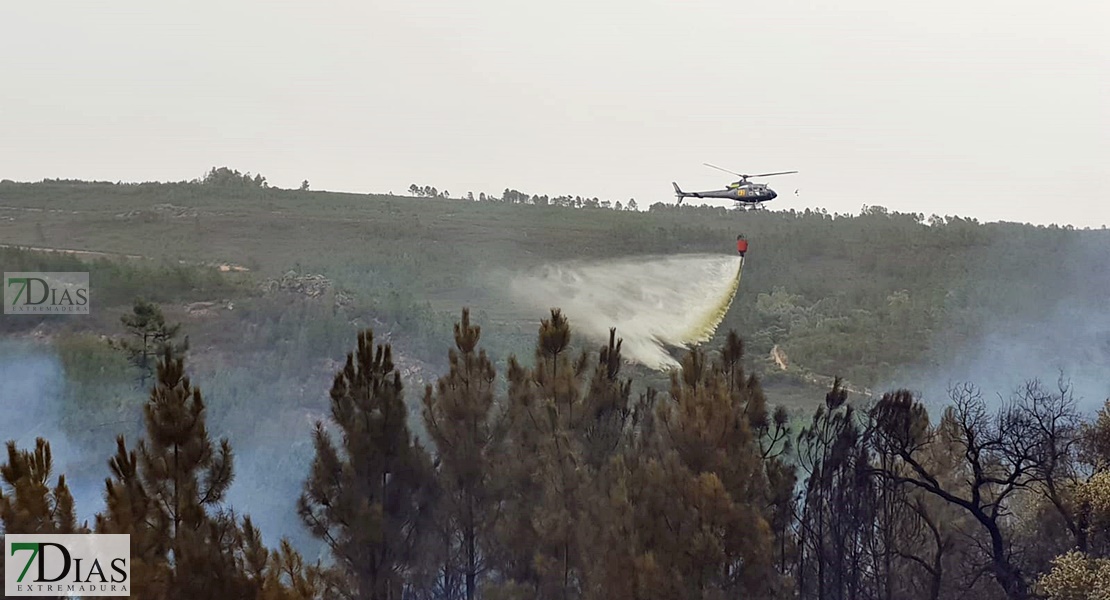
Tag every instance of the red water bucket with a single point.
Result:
(741, 245)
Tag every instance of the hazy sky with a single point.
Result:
(987, 108)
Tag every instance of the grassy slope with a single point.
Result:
(855, 296)
(837, 310)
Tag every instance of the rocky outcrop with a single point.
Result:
(309, 284)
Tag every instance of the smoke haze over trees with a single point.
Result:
(565, 485)
(735, 479)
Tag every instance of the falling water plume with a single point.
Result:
(654, 302)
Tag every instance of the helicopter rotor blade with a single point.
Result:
(743, 176)
(770, 174)
(725, 170)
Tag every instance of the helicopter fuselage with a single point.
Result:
(740, 193)
(742, 190)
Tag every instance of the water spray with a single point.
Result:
(655, 302)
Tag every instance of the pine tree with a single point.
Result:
(568, 422)
(610, 410)
(517, 468)
(27, 502)
(129, 510)
(187, 475)
(281, 574)
(559, 417)
(547, 408)
(168, 496)
(367, 499)
(827, 450)
(772, 430)
(187, 472)
(153, 337)
(712, 465)
(459, 416)
(287, 577)
(628, 530)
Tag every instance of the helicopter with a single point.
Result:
(741, 191)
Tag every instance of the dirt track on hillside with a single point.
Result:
(783, 363)
(223, 267)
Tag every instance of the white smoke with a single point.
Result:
(1070, 343)
(1065, 336)
(654, 302)
(32, 386)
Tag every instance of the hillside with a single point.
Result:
(856, 296)
(881, 299)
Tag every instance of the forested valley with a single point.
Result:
(895, 406)
(568, 486)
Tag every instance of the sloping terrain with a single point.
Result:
(877, 298)
(858, 296)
